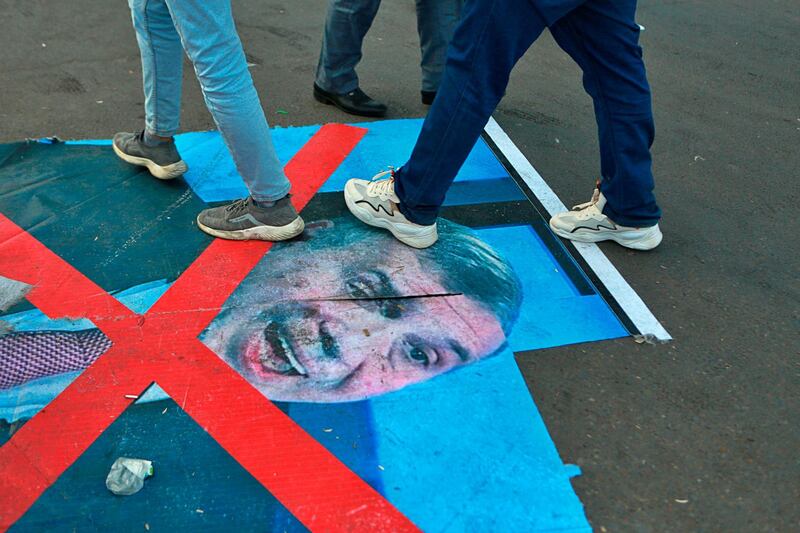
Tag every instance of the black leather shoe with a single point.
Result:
(355, 102)
(427, 97)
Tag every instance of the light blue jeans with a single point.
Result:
(347, 23)
(206, 31)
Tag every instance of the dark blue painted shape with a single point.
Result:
(110, 220)
(192, 472)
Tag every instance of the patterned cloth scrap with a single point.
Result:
(28, 355)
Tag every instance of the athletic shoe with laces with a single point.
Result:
(587, 223)
(163, 160)
(245, 220)
(374, 202)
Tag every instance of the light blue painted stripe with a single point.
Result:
(468, 451)
(553, 313)
(390, 142)
(213, 176)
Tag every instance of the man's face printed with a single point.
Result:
(347, 322)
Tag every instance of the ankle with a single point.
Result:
(267, 203)
(150, 139)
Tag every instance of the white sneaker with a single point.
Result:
(587, 223)
(374, 202)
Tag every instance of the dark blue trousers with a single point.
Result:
(601, 36)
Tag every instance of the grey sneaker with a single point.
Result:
(587, 223)
(374, 202)
(244, 220)
(163, 161)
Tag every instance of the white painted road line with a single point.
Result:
(627, 299)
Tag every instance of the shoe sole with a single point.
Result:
(365, 216)
(259, 233)
(167, 172)
(321, 98)
(649, 240)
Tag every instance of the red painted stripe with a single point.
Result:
(220, 268)
(321, 492)
(312, 483)
(53, 439)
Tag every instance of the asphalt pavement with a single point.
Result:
(698, 434)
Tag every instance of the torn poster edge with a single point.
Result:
(12, 292)
(626, 299)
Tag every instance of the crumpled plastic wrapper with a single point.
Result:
(127, 475)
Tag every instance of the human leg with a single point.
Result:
(162, 66)
(346, 24)
(210, 39)
(489, 40)
(602, 37)
(436, 23)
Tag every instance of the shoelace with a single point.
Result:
(238, 206)
(590, 203)
(589, 209)
(382, 186)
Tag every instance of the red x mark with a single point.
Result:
(162, 346)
